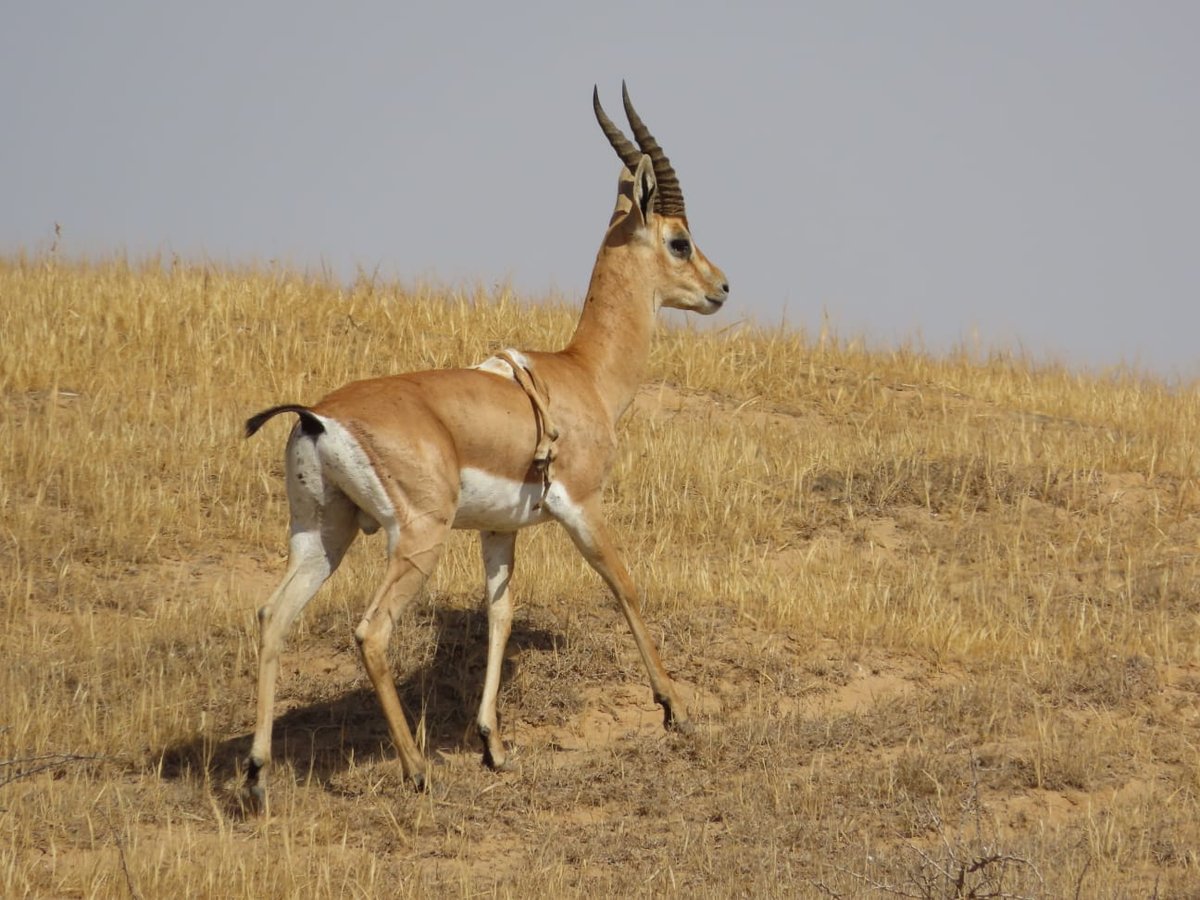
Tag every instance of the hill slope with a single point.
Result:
(939, 617)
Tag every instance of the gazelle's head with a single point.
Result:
(651, 222)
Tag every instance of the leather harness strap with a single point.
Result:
(545, 452)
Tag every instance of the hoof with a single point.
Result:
(420, 782)
(506, 765)
(674, 719)
(681, 726)
(497, 762)
(258, 796)
(256, 791)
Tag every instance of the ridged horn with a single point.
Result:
(670, 195)
(669, 198)
(629, 154)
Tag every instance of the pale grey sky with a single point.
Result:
(1020, 173)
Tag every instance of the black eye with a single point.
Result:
(680, 247)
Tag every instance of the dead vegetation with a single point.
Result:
(938, 618)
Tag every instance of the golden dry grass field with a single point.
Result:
(938, 618)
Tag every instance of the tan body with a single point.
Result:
(418, 454)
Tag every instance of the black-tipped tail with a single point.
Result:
(309, 423)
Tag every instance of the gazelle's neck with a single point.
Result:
(612, 340)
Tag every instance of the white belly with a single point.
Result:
(487, 502)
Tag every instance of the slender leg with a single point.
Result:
(498, 551)
(315, 550)
(587, 528)
(406, 573)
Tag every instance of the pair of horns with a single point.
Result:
(669, 201)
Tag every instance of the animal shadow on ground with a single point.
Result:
(319, 739)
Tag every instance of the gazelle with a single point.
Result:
(518, 440)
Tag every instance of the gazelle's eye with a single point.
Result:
(680, 247)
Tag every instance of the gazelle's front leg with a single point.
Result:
(587, 528)
(498, 551)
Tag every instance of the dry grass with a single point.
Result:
(939, 618)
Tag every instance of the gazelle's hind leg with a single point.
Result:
(411, 561)
(587, 528)
(320, 537)
(498, 551)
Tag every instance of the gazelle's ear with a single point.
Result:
(636, 193)
(645, 189)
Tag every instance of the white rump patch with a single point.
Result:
(488, 502)
(497, 366)
(349, 467)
